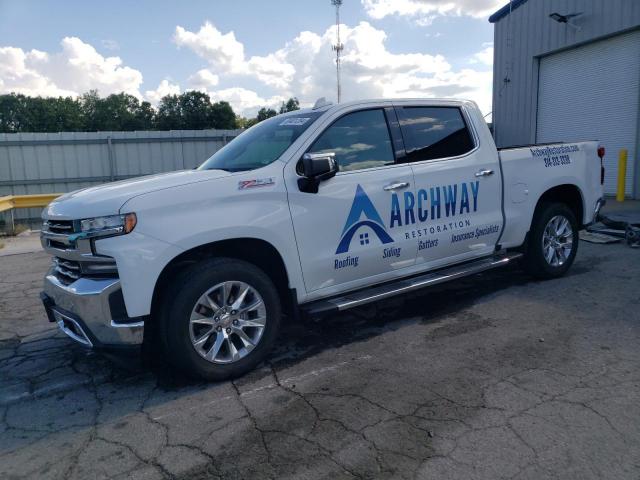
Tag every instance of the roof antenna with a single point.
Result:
(338, 47)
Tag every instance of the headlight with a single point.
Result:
(113, 224)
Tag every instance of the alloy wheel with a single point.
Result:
(557, 241)
(227, 322)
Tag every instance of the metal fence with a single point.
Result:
(33, 163)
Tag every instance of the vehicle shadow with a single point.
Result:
(306, 338)
(48, 359)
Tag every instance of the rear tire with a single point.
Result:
(552, 243)
(221, 320)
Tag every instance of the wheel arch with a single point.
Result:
(568, 194)
(255, 251)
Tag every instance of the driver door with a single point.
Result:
(344, 233)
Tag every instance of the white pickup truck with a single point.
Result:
(309, 212)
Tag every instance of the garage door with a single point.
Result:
(592, 93)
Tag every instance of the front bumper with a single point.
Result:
(91, 312)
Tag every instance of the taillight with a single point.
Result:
(601, 155)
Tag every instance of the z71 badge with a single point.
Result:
(258, 182)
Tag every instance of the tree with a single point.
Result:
(63, 115)
(290, 105)
(265, 113)
(222, 115)
(195, 110)
(145, 116)
(89, 104)
(169, 116)
(19, 113)
(242, 122)
(116, 112)
(13, 112)
(251, 122)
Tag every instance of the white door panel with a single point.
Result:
(461, 213)
(343, 232)
(458, 187)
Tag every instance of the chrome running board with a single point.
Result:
(386, 290)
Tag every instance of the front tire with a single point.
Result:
(222, 320)
(552, 243)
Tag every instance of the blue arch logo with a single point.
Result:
(362, 205)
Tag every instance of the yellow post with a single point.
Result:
(622, 174)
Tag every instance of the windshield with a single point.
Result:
(262, 144)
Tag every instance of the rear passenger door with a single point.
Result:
(458, 188)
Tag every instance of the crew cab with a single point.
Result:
(307, 213)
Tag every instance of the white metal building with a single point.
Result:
(568, 70)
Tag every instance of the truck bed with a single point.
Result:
(531, 170)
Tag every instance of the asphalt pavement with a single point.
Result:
(496, 376)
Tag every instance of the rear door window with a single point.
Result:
(434, 132)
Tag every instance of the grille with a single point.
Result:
(59, 245)
(67, 271)
(60, 226)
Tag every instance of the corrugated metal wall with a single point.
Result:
(610, 115)
(528, 33)
(62, 162)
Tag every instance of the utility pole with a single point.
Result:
(338, 47)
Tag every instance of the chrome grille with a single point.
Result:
(59, 226)
(57, 234)
(67, 271)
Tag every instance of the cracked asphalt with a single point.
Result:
(493, 377)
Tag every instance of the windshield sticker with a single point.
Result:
(297, 121)
(258, 182)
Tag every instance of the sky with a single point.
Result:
(251, 53)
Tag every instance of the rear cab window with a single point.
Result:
(431, 133)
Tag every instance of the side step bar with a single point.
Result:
(380, 292)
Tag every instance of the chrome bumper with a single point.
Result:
(83, 311)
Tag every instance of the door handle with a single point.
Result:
(484, 173)
(395, 186)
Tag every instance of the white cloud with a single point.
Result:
(77, 68)
(272, 70)
(245, 102)
(369, 69)
(424, 11)
(226, 55)
(203, 80)
(20, 72)
(164, 88)
(221, 50)
(484, 56)
(303, 67)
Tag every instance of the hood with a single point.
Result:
(107, 199)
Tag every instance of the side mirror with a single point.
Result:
(316, 167)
